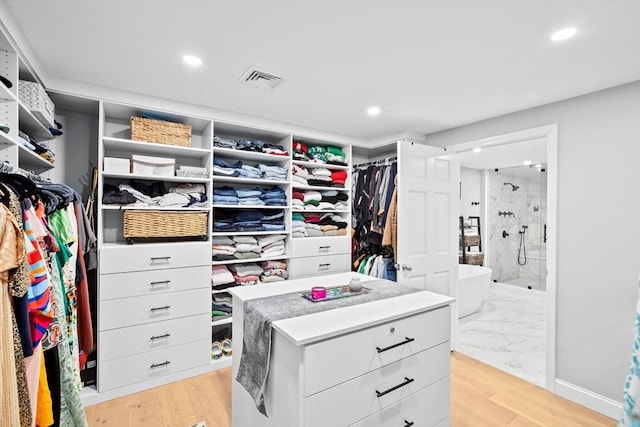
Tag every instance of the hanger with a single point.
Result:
(22, 186)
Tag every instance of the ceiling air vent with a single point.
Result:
(260, 79)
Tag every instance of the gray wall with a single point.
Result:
(598, 259)
(77, 150)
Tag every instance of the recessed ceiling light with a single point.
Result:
(373, 111)
(477, 150)
(192, 60)
(539, 166)
(564, 34)
(527, 163)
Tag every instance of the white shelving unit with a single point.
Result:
(15, 114)
(322, 254)
(131, 274)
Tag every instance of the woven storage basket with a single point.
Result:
(160, 131)
(150, 224)
(472, 240)
(474, 258)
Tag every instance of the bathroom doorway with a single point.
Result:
(514, 328)
(517, 207)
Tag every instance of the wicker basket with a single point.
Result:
(164, 224)
(473, 240)
(474, 258)
(160, 131)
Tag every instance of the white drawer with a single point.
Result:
(153, 336)
(118, 313)
(367, 394)
(339, 359)
(313, 246)
(123, 285)
(123, 258)
(426, 408)
(146, 366)
(318, 265)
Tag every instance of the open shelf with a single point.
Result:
(242, 261)
(6, 94)
(237, 180)
(248, 233)
(319, 210)
(319, 165)
(142, 147)
(31, 125)
(31, 159)
(251, 206)
(297, 186)
(156, 178)
(223, 362)
(151, 208)
(5, 140)
(223, 321)
(249, 155)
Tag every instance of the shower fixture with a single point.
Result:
(513, 187)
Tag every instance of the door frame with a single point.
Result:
(550, 133)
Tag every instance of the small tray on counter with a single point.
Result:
(336, 292)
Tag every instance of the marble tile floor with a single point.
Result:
(508, 332)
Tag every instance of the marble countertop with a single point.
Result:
(315, 327)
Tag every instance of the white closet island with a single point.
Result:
(380, 363)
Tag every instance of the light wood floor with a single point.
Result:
(480, 396)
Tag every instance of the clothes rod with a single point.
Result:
(385, 161)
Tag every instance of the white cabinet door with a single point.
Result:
(428, 183)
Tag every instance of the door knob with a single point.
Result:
(407, 267)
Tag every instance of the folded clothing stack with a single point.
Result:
(31, 144)
(319, 200)
(155, 194)
(318, 176)
(329, 155)
(273, 271)
(255, 145)
(238, 169)
(316, 225)
(249, 196)
(221, 306)
(248, 220)
(247, 247)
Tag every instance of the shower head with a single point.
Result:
(513, 187)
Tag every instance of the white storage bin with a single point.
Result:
(116, 165)
(34, 97)
(147, 165)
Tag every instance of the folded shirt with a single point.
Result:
(222, 240)
(245, 239)
(321, 172)
(300, 180)
(221, 275)
(243, 270)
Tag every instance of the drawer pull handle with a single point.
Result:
(154, 309)
(407, 340)
(157, 365)
(408, 423)
(157, 337)
(164, 282)
(324, 248)
(160, 258)
(325, 264)
(406, 381)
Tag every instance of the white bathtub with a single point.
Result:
(473, 286)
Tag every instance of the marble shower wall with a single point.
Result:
(528, 205)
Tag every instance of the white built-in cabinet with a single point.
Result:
(15, 114)
(154, 297)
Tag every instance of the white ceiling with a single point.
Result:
(430, 65)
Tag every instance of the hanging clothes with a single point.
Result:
(41, 319)
(11, 253)
(373, 186)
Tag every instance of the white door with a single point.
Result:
(428, 186)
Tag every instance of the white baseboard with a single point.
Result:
(591, 400)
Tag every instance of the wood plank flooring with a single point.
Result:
(480, 396)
